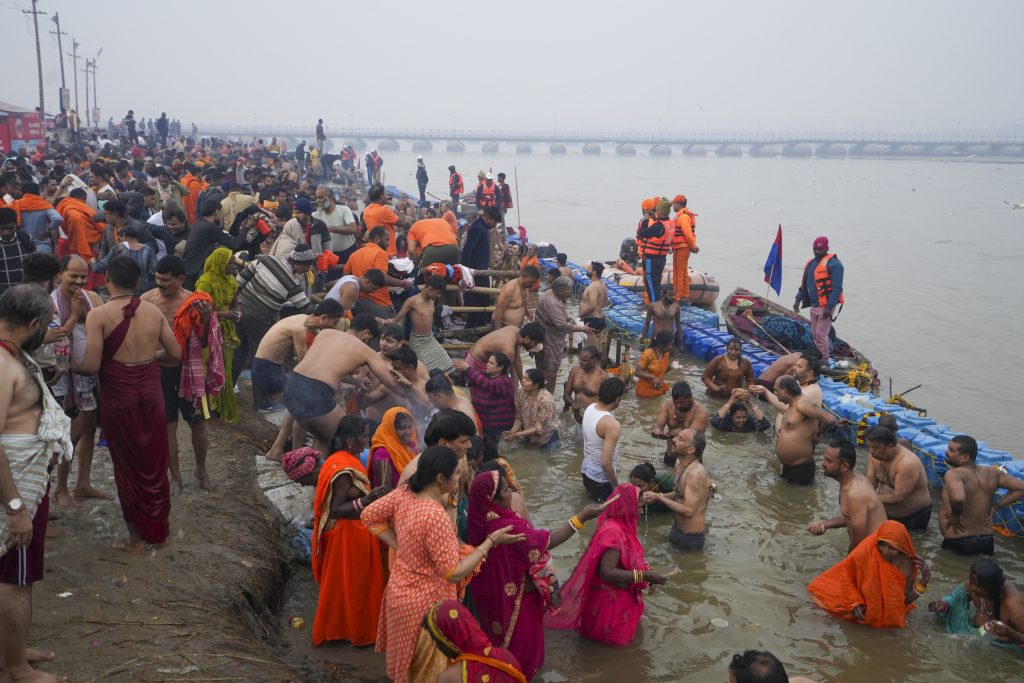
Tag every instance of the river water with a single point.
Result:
(931, 254)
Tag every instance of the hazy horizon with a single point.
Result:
(916, 66)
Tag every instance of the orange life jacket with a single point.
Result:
(455, 184)
(655, 246)
(823, 281)
(693, 220)
(487, 195)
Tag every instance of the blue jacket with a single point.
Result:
(807, 295)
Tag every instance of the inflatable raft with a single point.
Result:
(703, 287)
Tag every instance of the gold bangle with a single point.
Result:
(920, 588)
(576, 523)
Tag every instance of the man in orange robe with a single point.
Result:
(684, 243)
(346, 556)
(82, 231)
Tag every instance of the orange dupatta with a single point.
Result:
(387, 438)
(865, 578)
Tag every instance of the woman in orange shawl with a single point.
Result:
(346, 556)
(874, 584)
(393, 447)
(653, 364)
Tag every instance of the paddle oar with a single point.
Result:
(749, 314)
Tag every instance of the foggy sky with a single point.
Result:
(750, 66)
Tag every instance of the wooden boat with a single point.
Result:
(779, 330)
(703, 287)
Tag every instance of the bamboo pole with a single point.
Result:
(498, 273)
(493, 291)
(472, 309)
(456, 346)
(456, 331)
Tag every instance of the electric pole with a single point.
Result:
(60, 53)
(39, 58)
(74, 69)
(88, 111)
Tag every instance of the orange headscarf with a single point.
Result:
(188, 319)
(865, 578)
(386, 437)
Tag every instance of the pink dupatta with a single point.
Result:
(597, 609)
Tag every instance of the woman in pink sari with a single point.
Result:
(515, 586)
(604, 598)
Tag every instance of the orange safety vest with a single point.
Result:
(693, 224)
(823, 281)
(655, 246)
(487, 196)
(455, 184)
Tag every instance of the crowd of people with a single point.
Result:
(148, 279)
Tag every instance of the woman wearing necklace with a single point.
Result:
(413, 520)
(998, 606)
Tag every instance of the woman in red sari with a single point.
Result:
(604, 598)
(515, 586)
(459, 638)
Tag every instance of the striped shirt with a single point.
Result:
(270, 284)
(11, 255)
(493, 398)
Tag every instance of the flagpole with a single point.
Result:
(768, 289)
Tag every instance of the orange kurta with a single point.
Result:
(380, 214)
(82, 231)
(656, 365)
(865, 578)
(346, 562)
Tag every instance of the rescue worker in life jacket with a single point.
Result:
(822, 289)
(455, 188)
(684, 243)
(487, 193)
(654, 238)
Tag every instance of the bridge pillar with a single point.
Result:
(388, 145)
(797, 149)
(944, 151)
(625, 150)
(422, 146)
(489, 147)
(1002, 150)
(357, 144)
(908, 150)
(660, 151)
(874, 149)
(591, 148)
(524, 148)
(982, 150)
(730, 150)
(456, 146)
(695, 151)
(835, 149)
(557, 148)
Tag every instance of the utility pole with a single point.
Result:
(74, 69)
(60, 53)
(39, 58)
(88, 111)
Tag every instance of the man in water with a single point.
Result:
(807, 370)
(601, 433)
(563, 269)
(899, 477)
(553, 314)
(420, 309)
(688, 500)
(798, 429)
(822, 290)
(677, 413)
(583, 382)
(861, 510)
(508, 340)
(594, 299)
(510, 306)
(310, 390)
(168, 296)
(25, 455)
(781, 366)
(664, 313)
(126, 339)
(965, 518)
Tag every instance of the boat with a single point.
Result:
(777, 329)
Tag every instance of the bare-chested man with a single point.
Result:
(127, 339)
(899, 478)
(782, 366)
(965, 519)
(413, 390)
(678, 413)
(442, 396)
(689, 499)
(510, 307)
(77, 393)
(807, 370)
(861, 511)
(310, 390)
(563, 268)
(168, 296)
(794, 444)
(288, 338)
(508, 340)
(664, 314)
(420, 309)
(594, 299)
(25, 455)
(583, 382)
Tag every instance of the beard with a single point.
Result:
(36, 340)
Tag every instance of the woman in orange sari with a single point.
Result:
(653, 364)
(346, 557)
(459, 638)
(875, 584)
(393, 447)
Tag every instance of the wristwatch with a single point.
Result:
(14, 506)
